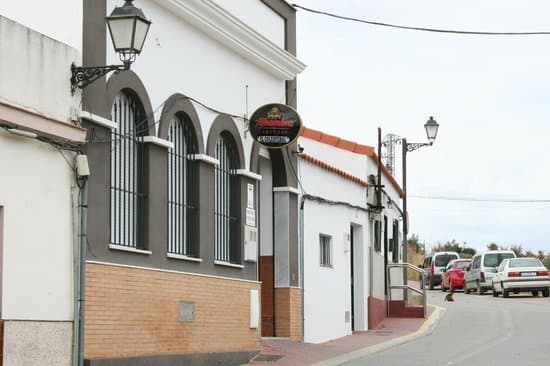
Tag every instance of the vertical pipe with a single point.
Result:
(82, 270)
(405, 213)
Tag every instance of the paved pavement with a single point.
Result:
(392, 332)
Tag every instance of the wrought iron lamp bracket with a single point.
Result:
(84, 76)
(411, 146)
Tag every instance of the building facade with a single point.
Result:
(347, 242)
(189, 222)
(39, 140)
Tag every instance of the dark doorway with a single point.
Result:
(352, 284)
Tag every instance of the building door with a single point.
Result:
(352, 279)
(266, 263)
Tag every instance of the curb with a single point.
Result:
(426, 329)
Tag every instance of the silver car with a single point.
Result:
(521, 275)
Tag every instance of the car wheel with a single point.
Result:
(505, 293)
(546, 292)
(535, 293)
(495, 293)
(480, 290)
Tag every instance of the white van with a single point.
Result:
(479, 275)
(434, 264)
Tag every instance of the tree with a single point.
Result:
(414, 242)
(493, 246)
(517, 249)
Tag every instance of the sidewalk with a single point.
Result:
(393, 331)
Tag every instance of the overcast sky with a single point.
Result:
(490, 95)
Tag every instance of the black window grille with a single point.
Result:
(395, 241)
(182, 189)
(227, 205)
(377, 236)
(325, 250)
(127, 186)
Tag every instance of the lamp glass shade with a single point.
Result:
(128, 28)
(142, 28)
(122, 33)
(431, 129)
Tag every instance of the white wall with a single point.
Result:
(258, 16)
(35, 70)
(327, 290)
(352, 163)
(60, 19)
(35, 191)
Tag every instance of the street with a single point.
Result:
(478, 330)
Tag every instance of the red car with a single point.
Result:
(453, 275)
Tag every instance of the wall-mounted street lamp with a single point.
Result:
(128, 29)
(431, 127)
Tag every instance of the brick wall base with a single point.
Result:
(132, 312)
(288, 313)
(377, 311)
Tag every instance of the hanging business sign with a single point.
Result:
(275, 125)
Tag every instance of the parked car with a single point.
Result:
(480, 272)
(433, 266)
(521, 275)
(453, 275)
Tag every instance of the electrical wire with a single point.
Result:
(471, 199)
(422, 29)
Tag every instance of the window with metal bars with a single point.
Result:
(182, 189)
(377, 236)
(126, 184)
(325, 250)
(227, 205)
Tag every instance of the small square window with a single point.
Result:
(325, 250)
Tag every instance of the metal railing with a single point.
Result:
(406, 287)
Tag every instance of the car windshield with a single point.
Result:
(462, 265)
(444, 259)
(494, 259)
(525, 262)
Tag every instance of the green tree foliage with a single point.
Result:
(546, 262)
(414, 242)
(453, 246)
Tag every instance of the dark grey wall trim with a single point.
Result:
(94, 38)
(194, 359)
(125, 80)
(287, 12)
(225, 123)
(180, 103)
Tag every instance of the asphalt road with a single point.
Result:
(478, 331)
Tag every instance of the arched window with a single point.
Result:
(127, 188)
(182, 189)
(227, 201)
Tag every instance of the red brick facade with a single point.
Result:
(135, 312)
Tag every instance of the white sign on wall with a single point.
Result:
(250, 196)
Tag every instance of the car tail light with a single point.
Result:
(542, 273)
(513, 274)
(433, 265)
(482, 276)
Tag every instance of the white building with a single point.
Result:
(38, 192)
(346, 243)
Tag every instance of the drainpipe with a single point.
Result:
(80, 213)
(82, 266)
(302, 263)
